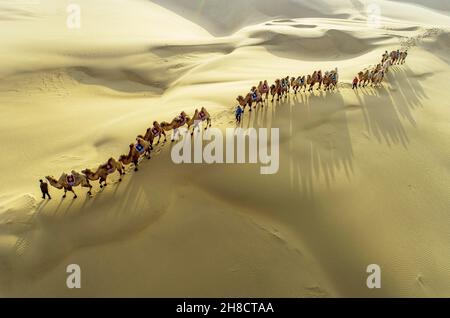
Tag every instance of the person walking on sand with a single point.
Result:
(238, 113)
(355, 83)
(44, 189)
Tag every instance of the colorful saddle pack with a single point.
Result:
(70, 180)
(140, 148)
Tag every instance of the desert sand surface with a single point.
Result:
(364, 175)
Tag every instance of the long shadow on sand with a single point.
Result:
(315, 134)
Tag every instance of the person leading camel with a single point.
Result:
(355, 83)
(44, 189)
(238, 113)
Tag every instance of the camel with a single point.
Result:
(403, 56)
(302, 83)
(253, 96)
(378, 68)
(333, 78)
(313, 79)
(68, 182)
(328, 82)
(175, 124)
(385, 57)
(276, 89)
(319, 79)
(377, 78)
(135, 152)
(264, 89)
(285, 87)
(199, 117)
(152, 133)
(395, 55)
(386, 65)
(295, 84)
(287, 83)
(104, 170)
(256, 97)
(143, 146)
(364, 78)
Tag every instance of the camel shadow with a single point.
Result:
(388, 108)
(314, 138)
(315, 135)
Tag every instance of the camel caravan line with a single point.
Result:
(258, 95)
(141, 148)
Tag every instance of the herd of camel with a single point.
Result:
(143, 145)
(376, 75)
(258, 95)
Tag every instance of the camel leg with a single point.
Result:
(74, 194)
(175, 133)
(136, 163)
(151, 143)
(65, 193)
(90, 189)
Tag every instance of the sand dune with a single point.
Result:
(363, 175)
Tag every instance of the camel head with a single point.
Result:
(51, 179)
(87, 172)
(53, 182)
(131, 146)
